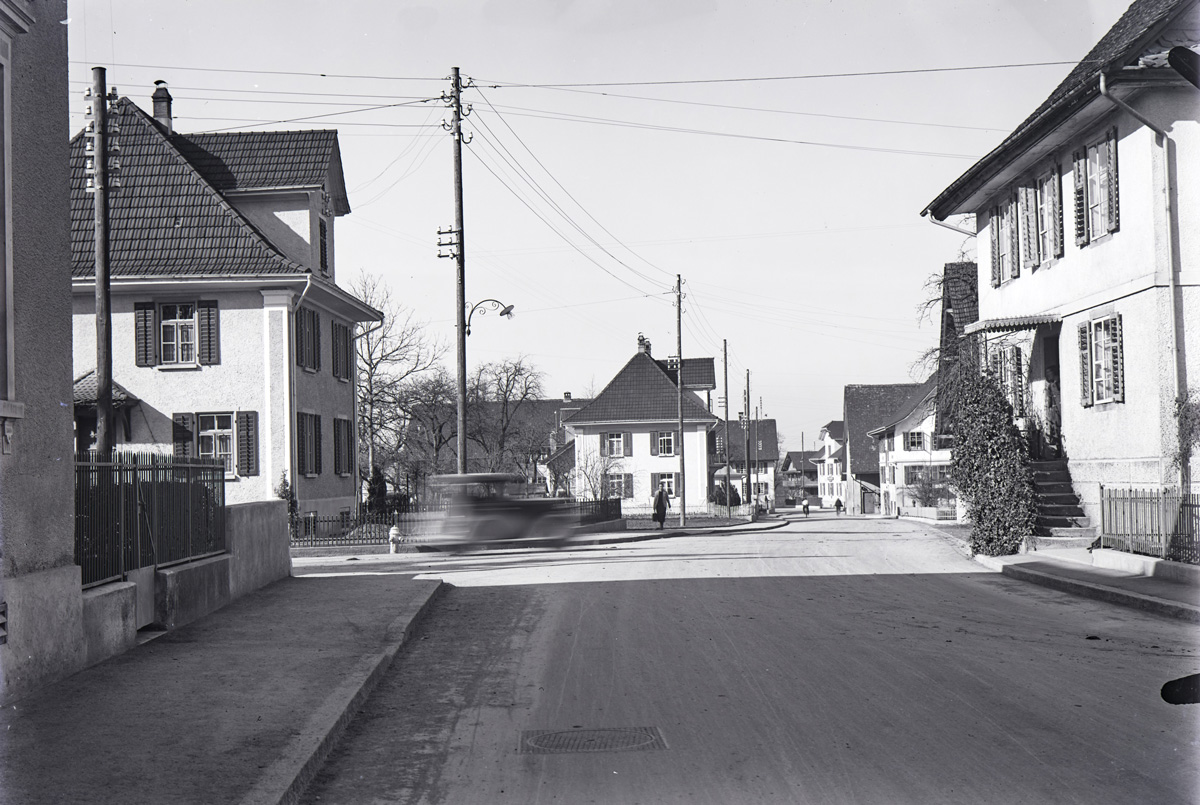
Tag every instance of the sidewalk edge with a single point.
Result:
(680, 532)
(284, 781)
(1146, 603)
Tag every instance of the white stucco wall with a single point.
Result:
(641, 463)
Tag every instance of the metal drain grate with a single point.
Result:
(605, 739)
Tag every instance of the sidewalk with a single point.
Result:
(1153, 585)
(241, 706)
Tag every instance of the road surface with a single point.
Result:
(835, 660)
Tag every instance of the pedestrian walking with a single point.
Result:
(662, 502)
(806, 508)
(837, 505)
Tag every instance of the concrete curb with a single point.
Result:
(680, 532)
(1086, 589)
(284, 781)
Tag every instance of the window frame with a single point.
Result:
(617, 438)
(229, 456)
(1104, 359)
(176, 323)
(667, 438)
(919, 441)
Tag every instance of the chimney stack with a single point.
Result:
(162, 105)
(566, 396)
(643, 344)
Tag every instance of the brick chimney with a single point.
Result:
(643, 344)
(162, 105)
(566, 396)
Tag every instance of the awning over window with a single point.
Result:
(1011, 324)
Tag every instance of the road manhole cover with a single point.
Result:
(605, 739)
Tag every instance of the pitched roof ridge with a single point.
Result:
(256, 236)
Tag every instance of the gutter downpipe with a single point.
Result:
(951, 227)
(1164, 142)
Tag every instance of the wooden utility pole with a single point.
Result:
(728, 488)
(746, 434)
(99, 167)
(461, 255)
(682, 491)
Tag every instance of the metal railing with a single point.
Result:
(136, 510)
(1152, 522)
(313, 531)
(595, 511)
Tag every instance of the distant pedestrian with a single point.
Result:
(805, 508)
(662, 502)
(837, 504)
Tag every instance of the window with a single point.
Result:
(308, 339)
(176, 333)
(1096, 202)
(343, 446)
(308, 444)
(342, 351)
(1008, 367)
(1004, 242)
(671, 479)
(914, 440)
(229, 437)
(1101, 361)
(616, 445)
(662, 443)
(1041, 220)
(618, 485)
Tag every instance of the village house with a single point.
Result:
(864, 408)
(914, 459)
(231, 339)
(799, 475)
(762, 440)
(831, 483)
(625, 443)
(1089, 227)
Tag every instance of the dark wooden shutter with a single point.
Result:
(247, 443)
(677, 490)
(183, 434)
(627, 439)
(654, 443)
(1014, 237)
(1028, 206)
(208, 332)
(603, 444)
(145, 334)
(316, 340)
(1085, 365)
(1114, 214)
(1118, 361)
(995, 232)
(317, 444)
(301, 444)
(300, 329)
(335, 356)
(1079, 170)
(1057, 205)
(1018, 383)
(627, 485)
(338, 469)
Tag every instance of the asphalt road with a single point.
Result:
(836, 660)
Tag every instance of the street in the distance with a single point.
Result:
(832, 660)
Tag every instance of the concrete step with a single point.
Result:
(1050, 543)
(1064, 509)
(1053, 464)
(1070, 532)
(1053, 487)
(1049, 476)
(1048, 521)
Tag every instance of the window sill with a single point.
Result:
(178, 367)
(309, 370)
(10, 409)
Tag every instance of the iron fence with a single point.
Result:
(313, 531)
(1152, 522)
(595, 511)
(136, 510)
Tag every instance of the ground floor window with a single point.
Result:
(215, 438)
(666, 479)
(618, 485)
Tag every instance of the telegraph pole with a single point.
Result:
(682, 491)
(98, 137)
(746, 433)
(728, 488)
(460, 254)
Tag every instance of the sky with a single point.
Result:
(775, 154)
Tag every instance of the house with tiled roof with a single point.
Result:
(626, 442)
(1088, 220)
(799, 475)
(230, 335)
(913, 457)
(866, 407)
(757, 475)
(830, 463)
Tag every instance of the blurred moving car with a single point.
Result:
(483, 510)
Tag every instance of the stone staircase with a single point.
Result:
(1061, 522)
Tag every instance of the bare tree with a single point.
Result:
(592, 470)
(501, 416)
(427, 404)
(389, 354)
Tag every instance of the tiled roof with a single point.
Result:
(165, 220)
(563, 458)
(866, 408)
(1124, 44)
(86, 389)
(762, 430)
(834, 429)
(800, 460)
(960, 294)
(836, 455)
(264, 160)
(698, 373)
(641, 392)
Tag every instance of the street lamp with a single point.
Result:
(464, 323)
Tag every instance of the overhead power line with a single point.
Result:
(267, 72)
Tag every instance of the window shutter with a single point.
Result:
(603, 444)
(995, 230)
(1079, 170)
(676, 484)
(654, 443)
(627, 483)
(1118, 361)
(317, 444)
(1085, 365)
(1018, 383)
(653, 484)
(1057, 206)
(145, 342)
(183, 434)
(338, 467)
(247, 443)
(209, 332)
(301, 444)
(1014, 237)
(316, 341)
(1114, 216)
(1029, 226)
(627, 439)
(336, 357)
(300, 323)
(994, 362)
